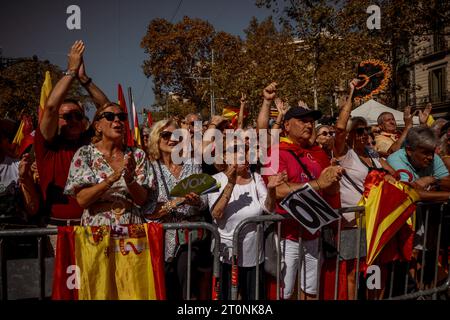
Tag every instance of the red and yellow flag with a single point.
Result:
(389, 228)
(45, 93)
(128, 135)
(24, 136)
(232, 114)
(137, 133)
(100, 263)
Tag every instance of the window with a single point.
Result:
(436, 80)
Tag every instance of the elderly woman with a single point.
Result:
(352, 150)
(111, 181)
(325, 138)
(189, 208)
(243, 194)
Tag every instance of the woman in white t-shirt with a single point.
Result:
(353, 151)
(242, 194)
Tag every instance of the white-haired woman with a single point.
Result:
(190, 208)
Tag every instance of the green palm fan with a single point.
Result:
(200, 183)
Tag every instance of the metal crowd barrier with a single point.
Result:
(434, 216)
(216, 262)
(41, 233)
(388, 286)
(261, 220)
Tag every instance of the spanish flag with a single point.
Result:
(45, 93)
(24, 136)
(104, 263)
(389, 209)
(232, 114)
(273, 113)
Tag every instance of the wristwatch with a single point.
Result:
(71, 73)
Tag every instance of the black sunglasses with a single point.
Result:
(111, 116)
(72, 116)
(326, 133)
(165, 135)
(360, 131)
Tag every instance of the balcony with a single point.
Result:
(434, 49)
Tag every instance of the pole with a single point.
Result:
(211, 83)
(130, 103)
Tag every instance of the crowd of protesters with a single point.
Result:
(84, 174)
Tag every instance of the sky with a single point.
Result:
(112, 32)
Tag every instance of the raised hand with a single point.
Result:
(408, 117)
(231, 173)
(82, 71)
(282, 107)
(75, 56)
(269, 92)
(302, 104)
(423, 115)
(277, 180)
(129, 167)
(352, 85)
(217, 119)
(243, 98)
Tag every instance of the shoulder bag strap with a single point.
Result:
(164, 181)
(305, 169)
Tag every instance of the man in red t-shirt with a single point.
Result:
(302, 165)
(61, 131)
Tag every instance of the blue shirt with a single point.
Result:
(399, 160)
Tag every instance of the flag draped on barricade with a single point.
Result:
(110, 263)
(389, 224)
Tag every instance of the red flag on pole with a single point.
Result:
(149, 119)
(128, 136)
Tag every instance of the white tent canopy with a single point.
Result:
(371, 109)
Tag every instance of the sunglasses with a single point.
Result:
(361, 131)
(165, 135)
(72, 116)
(111, 116)
(326, 133)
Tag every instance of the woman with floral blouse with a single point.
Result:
(170, 209)
(111, 181)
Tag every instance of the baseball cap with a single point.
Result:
(299, 113)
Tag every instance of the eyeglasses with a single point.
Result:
(362, 130)
(165, 135)
(69, 116)
(326, 133)
(111, 116)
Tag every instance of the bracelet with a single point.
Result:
(71, 73)
(84, 84)
(277, 123)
